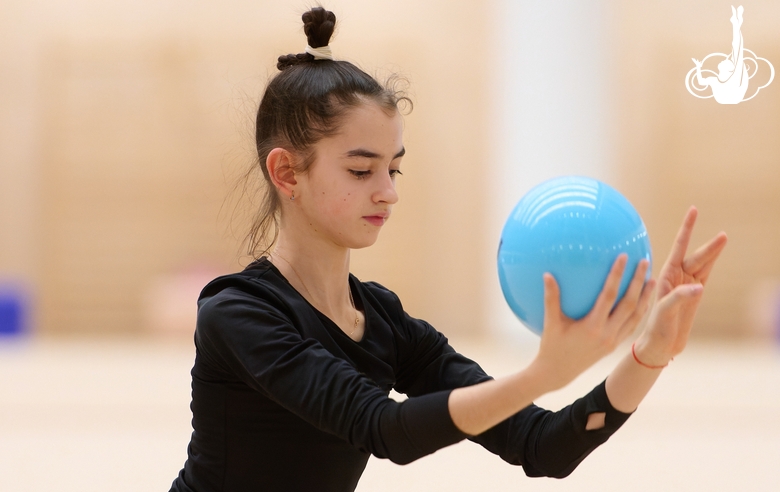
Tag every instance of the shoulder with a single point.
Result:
(255, 277)
(255, 293)
(385, 301)
(381, 293)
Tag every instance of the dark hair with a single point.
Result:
(304, 103)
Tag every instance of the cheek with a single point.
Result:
(335, 203)
(334, 200)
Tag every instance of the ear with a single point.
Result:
(280, 169)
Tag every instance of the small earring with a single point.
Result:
(292, 197)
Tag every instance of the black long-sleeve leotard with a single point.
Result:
(283, 400)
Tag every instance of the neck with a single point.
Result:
(319, 271)
(317, 266)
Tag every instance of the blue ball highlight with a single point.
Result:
(574, 228)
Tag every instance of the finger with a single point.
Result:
(663, 286)
(701, 262)
(705, 253)
(677, 310)
(609, 292)
(704, 274)
(641, 309)
(680, 246)
(689, 306)
(552, 299)
(630, 300)
(679, 296)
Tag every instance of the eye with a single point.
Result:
(396, 172)
(360, 174)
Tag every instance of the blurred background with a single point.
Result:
(124, 130)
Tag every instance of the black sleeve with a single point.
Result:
(260, 345)
(545, 443)
(553, 444)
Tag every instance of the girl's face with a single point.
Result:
(349, 190)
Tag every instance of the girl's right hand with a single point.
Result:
(569, 347)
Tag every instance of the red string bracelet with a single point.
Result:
(633, 352)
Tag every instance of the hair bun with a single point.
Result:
(286, 61)
(318, 25)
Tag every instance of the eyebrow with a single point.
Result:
(373, 155)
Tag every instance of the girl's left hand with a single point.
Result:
(678, 295)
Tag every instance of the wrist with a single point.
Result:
(646, 356)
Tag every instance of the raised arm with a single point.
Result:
(680, 288)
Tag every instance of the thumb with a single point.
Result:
(680, 295)
(552, 298)
(688, 291)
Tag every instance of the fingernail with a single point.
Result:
(696, 289)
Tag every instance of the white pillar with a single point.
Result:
(551, 108)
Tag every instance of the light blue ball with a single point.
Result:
(574, 228)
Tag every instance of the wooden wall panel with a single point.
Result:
(131, 185)
(138, 118)
(676, 150)
(143, 138)
(726, 161)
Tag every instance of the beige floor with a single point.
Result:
(113, 416)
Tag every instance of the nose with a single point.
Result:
(386, 192)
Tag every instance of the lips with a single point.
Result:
(378, 219)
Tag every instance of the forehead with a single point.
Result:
(368, 124)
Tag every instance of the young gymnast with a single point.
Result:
(295, 357)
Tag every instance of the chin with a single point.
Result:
(363, 242)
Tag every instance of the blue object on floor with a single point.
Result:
(13, 311)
